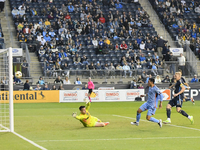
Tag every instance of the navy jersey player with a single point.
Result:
(185, 99)
(177, 100)
(154, 95)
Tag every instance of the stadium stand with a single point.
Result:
(89, 35)
(182, 20)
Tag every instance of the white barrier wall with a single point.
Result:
(101, 95)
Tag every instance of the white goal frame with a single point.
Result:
(10, 84)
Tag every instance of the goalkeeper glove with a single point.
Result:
(74, 114)
(86, 100)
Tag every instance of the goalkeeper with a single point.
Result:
(86, 119)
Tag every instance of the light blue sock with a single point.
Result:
(154, 120)
(138, 117)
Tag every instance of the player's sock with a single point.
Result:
(183, 113)
(154, 120)
(189, 117)
(168, 113)
(138, 117)
(90, 99)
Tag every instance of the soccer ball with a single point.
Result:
(18, 74)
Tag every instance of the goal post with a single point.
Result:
(11, 114)
(6, 100)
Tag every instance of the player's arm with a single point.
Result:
(88, 106)
(161, 100)
(144, 95)
(181, 91)
(78, 117)
(157, 90)
(186, 84)
(172, 86)
(87, 103)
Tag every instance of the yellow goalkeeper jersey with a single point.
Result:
(87, 120)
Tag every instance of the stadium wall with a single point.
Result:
(46, 96)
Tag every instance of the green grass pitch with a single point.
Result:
(51, 125)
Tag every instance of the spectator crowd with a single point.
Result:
(182, 19)
(90, 35)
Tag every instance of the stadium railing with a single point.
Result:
(28, 59)
(192, 60)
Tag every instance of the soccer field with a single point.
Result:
(51, 126)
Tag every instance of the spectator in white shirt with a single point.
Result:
(22, 6)
(15, 12)
(142, 45)
(197, 9)
(21, 12)
(39, 37)
(43, 41)
(95, 42)
(157, 79)
(168, 3)
(36, 25)
(181, 63)
(172, 9)
(66, 81)
(126, 69)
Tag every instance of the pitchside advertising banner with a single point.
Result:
(192, 92)
(79, 95)
(30, 96)
(101, 95)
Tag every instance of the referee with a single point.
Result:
(90, 87)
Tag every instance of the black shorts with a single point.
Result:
(176, 102)
(90, 91)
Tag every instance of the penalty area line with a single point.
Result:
(31, 142)
(119, 139)
(165, 124)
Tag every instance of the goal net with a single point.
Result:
(6, 91)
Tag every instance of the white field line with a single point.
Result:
(165, 124)
(119, 139)
(31, 142)
(22, 137)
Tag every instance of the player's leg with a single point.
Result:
(185, 99)
(142, 108)
(149, 117)
(97, 119)
(179, 110)
(101, 124)
(89, 93)
(168, 111)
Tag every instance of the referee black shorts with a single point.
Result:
(90, 91)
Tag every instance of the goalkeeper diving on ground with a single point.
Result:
(86, 119)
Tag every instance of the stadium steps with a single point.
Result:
(35, 67)
(157, 24)
(10, 41)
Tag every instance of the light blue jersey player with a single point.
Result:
(154, 95)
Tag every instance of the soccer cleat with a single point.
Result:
(135, 123)
(192, 120)
(106, 123)
(160, 123)
(192, 99)
(167, 121)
